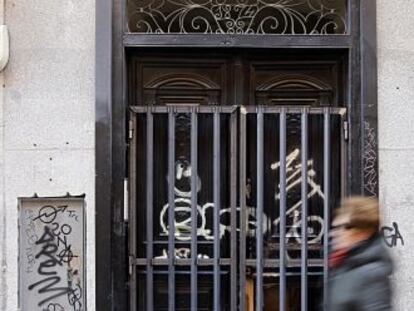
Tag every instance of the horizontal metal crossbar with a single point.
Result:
(184, 262)
(183, 109)
(292, 110)
(247, 41)
(230, 109)
(267, 263)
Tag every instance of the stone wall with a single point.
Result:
(396, 135)
(48, 119)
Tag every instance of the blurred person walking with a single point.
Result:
(360, 265)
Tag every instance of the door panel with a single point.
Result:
(195, 243)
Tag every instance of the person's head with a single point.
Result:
(356, 219)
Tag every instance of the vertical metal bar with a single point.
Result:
(259, 210)
(243, 215)
(149, 194)
(282, 211)
(304, 199)
(132, 215)
(216, 188)
(239, 99)
(194, 177)
(326, 203)
(233, 215)
(171, 210)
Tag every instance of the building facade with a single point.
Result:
(106, 108)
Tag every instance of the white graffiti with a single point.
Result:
(182, 220)
(370, 161)
(183, 172)
(182, 207)
(181, 253)
(294, 178)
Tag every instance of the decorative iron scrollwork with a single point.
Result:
(238, 16)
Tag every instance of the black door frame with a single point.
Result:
(111, 261)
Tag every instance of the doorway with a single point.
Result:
(236, 161)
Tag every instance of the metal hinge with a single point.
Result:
(346, 130)
(131, 264)
(131, 129)
(126, 199)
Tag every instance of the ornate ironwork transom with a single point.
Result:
(238, 16)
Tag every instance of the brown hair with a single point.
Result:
(363, 213)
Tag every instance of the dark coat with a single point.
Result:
(361, 282)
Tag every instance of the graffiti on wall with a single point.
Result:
(51, 254)
(392, 235)
(370, 161)
(182, 208)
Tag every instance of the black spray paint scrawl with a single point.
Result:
(52, 254)
(392, 235)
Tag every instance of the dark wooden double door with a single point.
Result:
(225, 92)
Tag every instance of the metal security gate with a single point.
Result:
(230, 205)
(225, 53)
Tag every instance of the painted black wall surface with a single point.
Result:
(103, 145)
(111, 141)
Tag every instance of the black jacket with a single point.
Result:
(361, 282)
